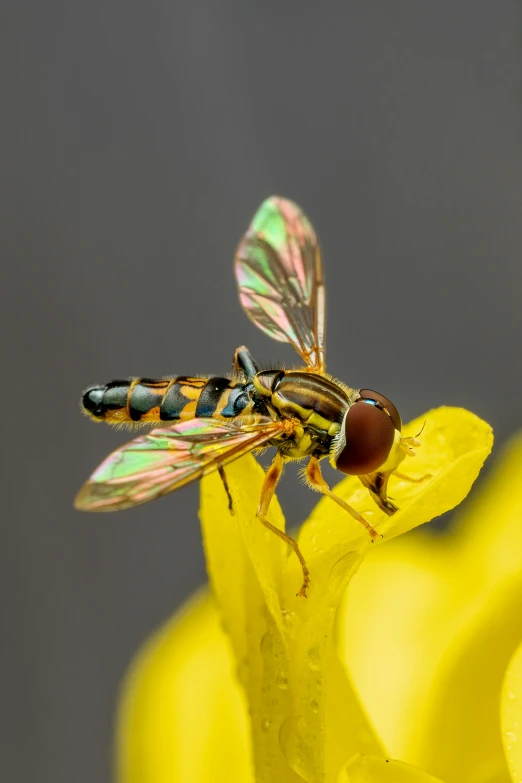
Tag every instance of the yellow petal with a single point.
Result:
(454, 445)
(367, 769)
(182, 715)
(438, 619)
(487, 629)
(347, 728)
(458, 732)
(392, 626)
(511, 716)
(305, 717)
(285, 684)
(282, 643)
(489, 528)
(245, 563)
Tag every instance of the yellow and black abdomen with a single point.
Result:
(145, 400)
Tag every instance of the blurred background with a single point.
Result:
(138, 140)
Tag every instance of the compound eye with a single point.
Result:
(369, 435)
(368, 394)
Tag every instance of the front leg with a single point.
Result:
(377, 484)
(411, 479)
(243, 363)
(316, 481)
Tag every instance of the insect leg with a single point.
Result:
(404, 477)
(316, 481)
(377, 485)
(223, 477)
(272, 477)
(243, 362)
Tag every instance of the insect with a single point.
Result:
(206, 422)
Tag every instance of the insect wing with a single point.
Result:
(279, 272)
(169, 457)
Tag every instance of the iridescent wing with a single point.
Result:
(169, 457)
(279, 272)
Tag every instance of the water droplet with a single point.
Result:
(341, 570)
(289, 620)
(314, 705)
(314, 658)
(282, 681)
(511, 695)
(265, 725)
(295, 745)
(266, 645)
(511, 736)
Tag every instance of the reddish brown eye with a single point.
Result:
(368, 394)
(369, 434)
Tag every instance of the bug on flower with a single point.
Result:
(206, 422)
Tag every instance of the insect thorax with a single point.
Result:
(316, 401)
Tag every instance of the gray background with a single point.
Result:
(137, 141)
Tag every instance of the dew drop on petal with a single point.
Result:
(289, 620)
(294, 744)
(267, 647)
(314, 658)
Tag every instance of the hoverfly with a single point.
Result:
(206, 422)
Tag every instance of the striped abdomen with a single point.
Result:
(172, 399)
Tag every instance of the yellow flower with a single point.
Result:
(247, 685)
(437, 620)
